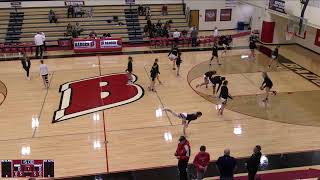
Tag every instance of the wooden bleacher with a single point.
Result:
(36, 19)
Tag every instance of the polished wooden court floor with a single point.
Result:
(135, 137)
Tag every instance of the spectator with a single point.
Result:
(148, 13)
(164, 10)
(184, 33)
(106, 35)
(226, 165)
(253, 162)
(78, 29)
(52, 16)
(194, 36)
(39, 42)
(70, 11)
(140, 10)
(90, 12)
(176, 35)
(93, 35)
(69, 30)
(201, 162)
(183, 154)
(159, 24)
(78, 11)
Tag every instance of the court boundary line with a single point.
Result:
(162, 104)
(42, 106)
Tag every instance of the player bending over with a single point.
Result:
(185, 117)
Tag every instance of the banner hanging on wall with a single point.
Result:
(277, 5)
(210, 15)
(317, 40)
(225, 14)
(74, 3)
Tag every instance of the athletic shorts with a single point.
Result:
(206, 78)
(223, 101)
(183, 116)
(172, 57)
(273, 57)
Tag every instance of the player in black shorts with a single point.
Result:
(215, 49)
(224, 96)
(216, 80)
(274, 56)
(173, 55)
(206, 77)
(154, 72)
(267, 85)
(252, 46)
(178, 63)
(185, 117)
(129, 69)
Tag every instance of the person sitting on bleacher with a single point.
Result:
(93, 35)
(70, 11)
(69, 30)
(76, 32)
(78, 11)
(140, 10)
(52, 16)
(159, 24)
(164, 10)
(148, 13)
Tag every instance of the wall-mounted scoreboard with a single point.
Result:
(27, 168)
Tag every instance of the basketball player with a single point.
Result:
(225, 44)
(274, 56)
(224, 95)
(26, 64)
(206, 78)
(154, 72)
(267, 85)
(173, 55)
(178, 63)
(129, 69)
(215, 53)
(216, 80)
(252, 46)
(44, 73)
(185, 117)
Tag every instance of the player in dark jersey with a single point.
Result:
(216, 80)
(215, 55)
(252, 46)
(173, 55)
(267, 85)
(185, 117)
(274, 56)
(224, 96)
(178, 63)
(129, 69)
(206, 77)
(154, 72)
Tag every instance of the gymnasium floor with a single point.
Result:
(135, 136)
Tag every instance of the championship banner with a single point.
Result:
(74, 3)
(317, 39)
(225, 14)
(210, 15)
(84, 44)
(105, 43)
(130, 1)
(277, 5)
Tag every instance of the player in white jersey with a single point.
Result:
(44, 74)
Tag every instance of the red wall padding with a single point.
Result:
(267, 32)
(317, 40)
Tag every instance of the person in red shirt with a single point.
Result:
(183, 154)
(201, 162)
